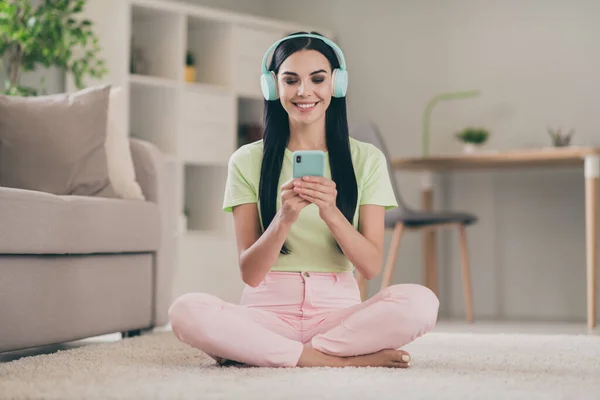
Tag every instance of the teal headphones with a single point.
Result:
(268, 80)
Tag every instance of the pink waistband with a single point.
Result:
(326, 276)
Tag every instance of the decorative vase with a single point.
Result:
(190, 73)
(470, 148)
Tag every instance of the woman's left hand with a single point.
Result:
(320, 191)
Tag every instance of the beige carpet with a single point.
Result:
(445, 366)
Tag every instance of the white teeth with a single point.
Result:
(306, 105)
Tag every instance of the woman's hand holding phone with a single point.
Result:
(291, 202)
(321, 191)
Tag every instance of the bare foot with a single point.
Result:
(384, 358)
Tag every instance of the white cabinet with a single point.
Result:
(196, 123)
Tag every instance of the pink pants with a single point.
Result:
(289, 311)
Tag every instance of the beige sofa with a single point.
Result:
(73, 267)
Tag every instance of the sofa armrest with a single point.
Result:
(152, 174)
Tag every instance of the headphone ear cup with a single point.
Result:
(340, 82)
(268, 84)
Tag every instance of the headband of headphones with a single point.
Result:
(331, 44)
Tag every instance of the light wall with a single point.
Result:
(535, 63)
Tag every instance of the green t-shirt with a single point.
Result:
(312, 246)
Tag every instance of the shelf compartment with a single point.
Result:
(157, 43)
(203, 198)
(208, 41)
(250, 114)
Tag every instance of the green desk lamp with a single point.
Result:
(429, 108)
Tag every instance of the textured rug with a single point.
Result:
(445, 366)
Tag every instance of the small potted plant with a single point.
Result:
(190, 67)
(472, 138)
(560, 139)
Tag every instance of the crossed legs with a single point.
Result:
(365, 334)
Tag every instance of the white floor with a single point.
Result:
(447, 365)
(563, 328)
(454, 326)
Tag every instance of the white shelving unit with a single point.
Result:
(196, 124)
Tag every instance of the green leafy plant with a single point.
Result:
(473, 135)
(46, 35)
(190, 59)
(560, 139)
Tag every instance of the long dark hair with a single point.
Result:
(276, 134)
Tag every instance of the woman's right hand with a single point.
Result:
(291, 203)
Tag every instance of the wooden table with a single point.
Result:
(586, 157)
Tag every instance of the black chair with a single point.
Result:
(406, 218)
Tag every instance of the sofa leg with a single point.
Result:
(132, 333)
(136, 332)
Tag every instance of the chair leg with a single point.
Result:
(391, 259)
(431, 277)
(466, 274)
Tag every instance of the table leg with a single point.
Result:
(592, 174)
(429, 236)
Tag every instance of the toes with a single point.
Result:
(403, 356)
(402, 359)
(401, 364)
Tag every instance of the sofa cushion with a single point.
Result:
(33, 222)
(121, 170)
(55, 143)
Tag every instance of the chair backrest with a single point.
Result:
(367, 131)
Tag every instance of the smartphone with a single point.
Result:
(308, 163)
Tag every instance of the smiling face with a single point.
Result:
(304, 84)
